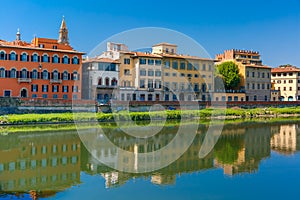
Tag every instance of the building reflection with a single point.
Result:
(43, 163)
(39, 163)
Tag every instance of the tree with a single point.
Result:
(229, 72)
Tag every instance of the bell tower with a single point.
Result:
(63, 33)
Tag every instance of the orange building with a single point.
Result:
(45, 68)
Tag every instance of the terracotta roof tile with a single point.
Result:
(286, 69)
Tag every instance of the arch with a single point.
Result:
(2, 55)
(65, 75)
(24, 56)
(114, 82)
(75, 75)
(45, 74)
(12, 55)
(34, 74)
(290, 98)
(13, 73)
(106, 97)
(2, 72)
(55, 58)
(99, 81)
(55, 75)
(35, 57)
(281, 98)
(24, 73)
(45, 57)
(65, 59)
(106, 81)
(75, 60)
(24, 92)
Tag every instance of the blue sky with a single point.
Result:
(270, 27)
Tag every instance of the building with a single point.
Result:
(100, 78)
(286, 79)
(255, 77)
(45, 68)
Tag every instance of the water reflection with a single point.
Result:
(43, 163)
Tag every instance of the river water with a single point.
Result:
(250, 160)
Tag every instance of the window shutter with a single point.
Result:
(58, 59)
(68, 60)
(48, 58)
(37, 88)
(16, 57)
(48, 75)
(72, 76)
(5, 57)
(27, 74)
(69, 76)
(58, 75)
(57, 88)
(30, 75)
(67, 88)
(9, 57)
(39, 75)
(27, 58)
(18, 74)
(39, 58)
(78, 77)
(31, 88)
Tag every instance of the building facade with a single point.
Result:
(255, 77)
(45, 68)
(286, 79)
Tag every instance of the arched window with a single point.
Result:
(65, 60)
(100, 81)
(75, 60)
(55, 59)
(24, 73)
(13, 73)
(114, 82)
(12, 56)
(55, 75)
(2, 55)
(2, 72)
(45, 58)
(24, 57)
(45, 74)
(34, 74)
(65, 75)
(35, 57)
(107, 81)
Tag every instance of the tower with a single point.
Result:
(63, 33)
(18, 35)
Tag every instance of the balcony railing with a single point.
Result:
(24, 80)
(55, 81)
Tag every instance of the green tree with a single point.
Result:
(229, 73)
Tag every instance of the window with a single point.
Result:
(126, 72)
(7, 93)
(291, 88)
(55, 75)
(290, 81)
(142, 61)
(45, 58)
(263, 86)
(75, 60)
(196, 75)
(34, 95)
(74, 88)
(278, 81)
(150, 62)
(45, 75)
(203, 67)
(142, 72)
(175, 64)
(75, 76)
(258, 86)
(229, 98)
(150, 73)
(65, 75)
(258, 74)
(253, 74)
(114, 82)
(284, 88)
(167, 74)
(290, 74)
(24, 57)
(12, 56)
(2, 73)
(263, 75)
(24, 73)
(65, 96)
(13, 73)
(182, 75)
(196, 66)
(209, 68)
(44, 88)
(196, 87)
(65, 60)
(235, 98)
(55, 59)
(65, 88)
(34, 74)
(253, 86)
(247, 73)
(34, 88)
(167, 64)
(158, 62)
(150, 83)
(158, 73)
(126, 61)
(182, 65)
(45, 96)
(203, 87)
(54, 88)
(142, 83)
(190, 66)
(174, 74)
(157, 84)
(35, 58)
(2, 55)
(255, 98)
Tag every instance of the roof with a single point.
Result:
(164, 43)
(142, 54)
(103, 60)
(185, 57)
(259, 66)
(286, 69)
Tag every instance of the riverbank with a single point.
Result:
(230, 113)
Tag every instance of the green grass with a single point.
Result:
(146, 116)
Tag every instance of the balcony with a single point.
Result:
(150, 89)
(107, 86)
(55, 81)
(24, 80)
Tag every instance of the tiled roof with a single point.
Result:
(259, 66)
(103, 60)
(185, 57)
(142, 54)
(164, 43)
(286, 69)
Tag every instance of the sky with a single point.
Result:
(270, 27)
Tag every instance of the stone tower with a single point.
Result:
(63, 33)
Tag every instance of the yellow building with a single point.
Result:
(255, 77)
(285, 141)
(286, 79)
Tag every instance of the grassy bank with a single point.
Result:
(230, 113)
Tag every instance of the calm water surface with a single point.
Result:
(249, 161)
